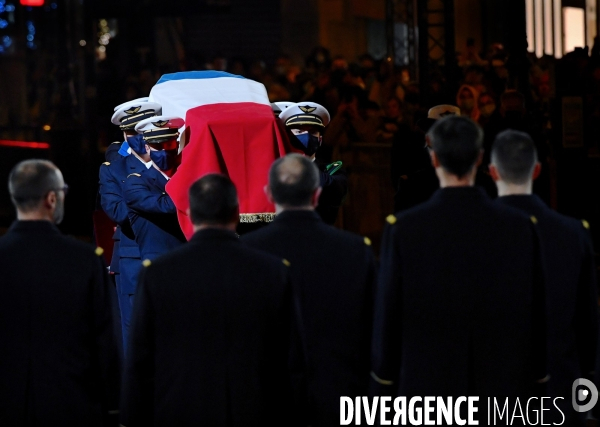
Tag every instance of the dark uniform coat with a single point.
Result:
(334, 184)
(333, 275)
(571, 296)
(210, 338)
(152, 213)
(58, 351)
(459, 308)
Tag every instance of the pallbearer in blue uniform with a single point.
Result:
(305, 123)
(280, 106)
(152, 214)
(125, 263)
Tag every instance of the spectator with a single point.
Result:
(392, 120)
(487, 108)
(466, 100)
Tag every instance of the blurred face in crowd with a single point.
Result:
(405, 77)
(501, 72)
(339, 64)
(367, 64)
(487, 105)
(292, 73)
(466, 101)
(281, 65)
(323, 80)
(393, 109)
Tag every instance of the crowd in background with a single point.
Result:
(371, 100)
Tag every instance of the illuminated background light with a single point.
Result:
(32, 2)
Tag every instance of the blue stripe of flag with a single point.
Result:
(194, 75)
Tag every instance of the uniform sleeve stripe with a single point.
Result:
(379, 380)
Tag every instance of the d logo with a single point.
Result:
(582, 391)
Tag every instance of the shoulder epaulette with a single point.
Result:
(533, 219)
(367, 241)
(332, 168)
(586, 224)
(133, 174)
(99, 251)
(391, 219)
(106, 163)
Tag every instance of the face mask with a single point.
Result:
(467, 104)
(488, 110)
(137, 144)
(310, 143)
(163, 159)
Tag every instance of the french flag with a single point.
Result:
(230, 129)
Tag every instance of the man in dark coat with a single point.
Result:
(459, 309)
(209, 339)
(333, 274)
(59, 358)
(571, 287)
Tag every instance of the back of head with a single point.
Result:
(514, 155)
(457, 143)
(30, 181)
(213, 201)
(293, 180)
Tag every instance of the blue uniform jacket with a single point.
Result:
(152, 213)
(112, 200)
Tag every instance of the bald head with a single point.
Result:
(37, 189)
(30, 180)
(293, 180)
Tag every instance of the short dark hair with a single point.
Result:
(213, 200)
(457, 142)
(514, 155)
(293, 179)
(30, 181)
